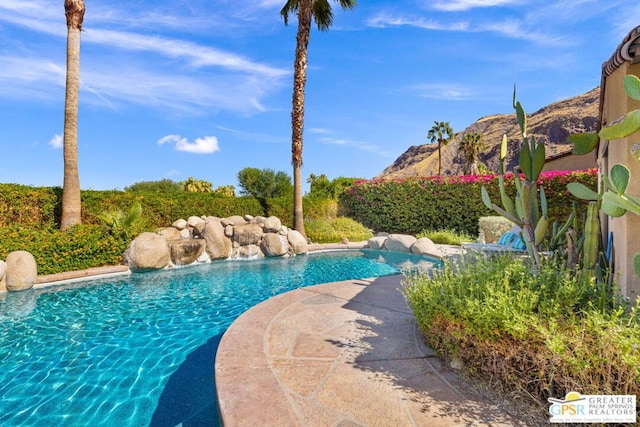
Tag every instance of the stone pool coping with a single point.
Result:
(341, 354)
(42, 281)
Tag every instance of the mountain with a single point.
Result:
(551, 124)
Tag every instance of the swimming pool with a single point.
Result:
(139, 350)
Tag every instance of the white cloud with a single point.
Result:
(445, 91)
(56, 141)
(461, 5)
(383, 20)
(511, 28)
(204, 145)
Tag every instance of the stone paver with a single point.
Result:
(340, 354)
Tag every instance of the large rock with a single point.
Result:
(249, 251)
(274, 244)
(169, 233)
(272, 224)
(247, 234)
(234, 220)
(148, 251)
(423, 246)
(186, 251)
(180, 224)
(218, 245)
(3, 276)
(22, 271)
(377, 242)
(297, 242)
(193, 221)
(399, 242)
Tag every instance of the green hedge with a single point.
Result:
(415, 204)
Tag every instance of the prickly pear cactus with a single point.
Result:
(615, 201)
(524, 210)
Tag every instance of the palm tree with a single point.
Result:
(471, 145)
(442, 133)
(71, 202)
(320, 10)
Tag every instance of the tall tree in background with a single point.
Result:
(442, 133)
(320, 10)
(471, 145)
(71, 202)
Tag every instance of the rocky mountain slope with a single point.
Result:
(551, 125)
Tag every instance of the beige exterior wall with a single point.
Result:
(571, 163)
(626, 229)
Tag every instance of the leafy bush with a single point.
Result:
(56, 251)
(537, 335)
(334, 230)
(429, 203)
(162, 186)
(492, 227)
(445, 237)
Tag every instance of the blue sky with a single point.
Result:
(202, 88)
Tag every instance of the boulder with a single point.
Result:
(180, 224)
(423, 246)
(186, 251)
(272, 225)
(249, 251)
(259, 219)
(22, 271)
(274, 244)
(218, 245)
(247, 234)
(228, 231)
(148, 251)
(376, 242)
(234, 220)
(185, 233)
(3, 276)
(195, 220)
(169, 233)
(297, 242)
(198, 229)
(399, 242)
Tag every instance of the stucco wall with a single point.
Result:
(571, 163)
(626, 229)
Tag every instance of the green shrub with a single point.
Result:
(55, 251)
(492, 227)
(445, 237)
(334, 230)
(539, 335)
(429, 203)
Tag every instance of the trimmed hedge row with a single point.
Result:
(415, 204)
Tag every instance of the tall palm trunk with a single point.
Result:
(305, 13)
(71, 203)
(439, 157)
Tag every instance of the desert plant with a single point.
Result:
(530, 335)
(123, 221)
(524, 210)
(614, 199)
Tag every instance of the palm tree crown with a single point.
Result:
(471, 145)
(442, 133)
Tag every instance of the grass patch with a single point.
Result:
(535, 336)
(335, 230)
(445, 237)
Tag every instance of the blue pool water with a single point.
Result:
(139, 350)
